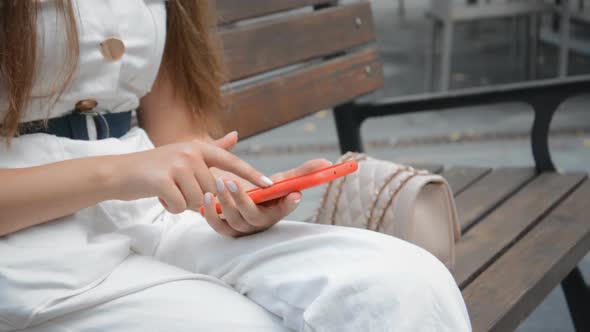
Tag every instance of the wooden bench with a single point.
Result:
(524, 229)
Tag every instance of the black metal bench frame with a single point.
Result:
(543, 96)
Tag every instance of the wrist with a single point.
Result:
(108, 177)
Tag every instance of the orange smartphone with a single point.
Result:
(299, 183)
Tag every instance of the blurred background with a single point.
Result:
(493, 42)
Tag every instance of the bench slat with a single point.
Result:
(234, 10)
(510, 289)
(267, 104)
(459, 178)
(498, 231)
(258, 48)
(485, 194)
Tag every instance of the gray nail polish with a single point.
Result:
(232, 186)
(207, 199)
(220, 185)
(266, 180)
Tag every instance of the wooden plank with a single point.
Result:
(234, 10)
(510, 289)
(459, 178)
(258, 48)
(487, 240)
(270, 103)
(485, 194)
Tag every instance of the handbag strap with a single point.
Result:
(411, 173)
(372, 211)
(380, 192)
(358, 157)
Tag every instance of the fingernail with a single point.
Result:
(297, 197)
(232, 186)
(266, 180)
(219, 184)
(208, 199)
(235, 132)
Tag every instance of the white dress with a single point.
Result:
(131, 266)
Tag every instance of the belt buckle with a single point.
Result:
(89, 107)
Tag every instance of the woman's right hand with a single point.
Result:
(179, 173)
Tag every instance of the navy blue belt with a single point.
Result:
(74, 125)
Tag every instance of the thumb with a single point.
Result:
(228, 141)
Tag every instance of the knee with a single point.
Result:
(392, 285)
(425, 291)
(429, 295)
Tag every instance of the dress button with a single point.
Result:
(112, 48)
(86, 105)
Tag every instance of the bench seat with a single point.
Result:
(522, 233)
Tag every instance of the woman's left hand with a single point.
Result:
(241, 216)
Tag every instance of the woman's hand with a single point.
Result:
(179, 173)
(240, 215)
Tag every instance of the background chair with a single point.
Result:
(445, 14)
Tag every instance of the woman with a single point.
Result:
(98, 229)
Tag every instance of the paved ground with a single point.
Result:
(483, 56)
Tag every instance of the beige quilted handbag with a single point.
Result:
(398, 200)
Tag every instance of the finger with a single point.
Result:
(191, 190)
(227, 161)
(231, 213)
(172, 198)
(219, 225)
(282, 207)
(204, 177)
(248, 209)
(228, 141)
(307, 167)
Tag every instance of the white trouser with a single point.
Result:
(129, 266)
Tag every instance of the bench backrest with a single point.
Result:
(290, 58)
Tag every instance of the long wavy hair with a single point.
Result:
(192, 56)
